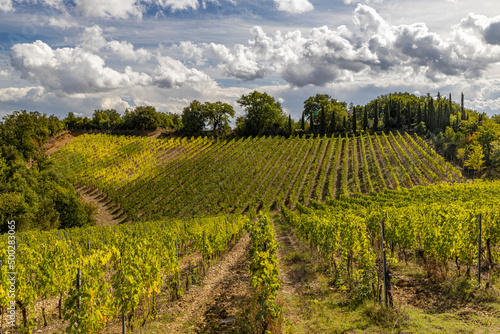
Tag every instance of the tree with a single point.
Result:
(486, 136)
(70, 121)
(365, 120)
(322, 121)
(375, 118)
(193, 118)
(262, 112)
(386, 115)
(333, 123)
(462, 110)
(419, 114)
(475, 159)
(217, 114)
(106, 119)
(431, 115)
(495, 155)
(142, 118)
(446, 120)
(354, 121)
(408, 114)
(399, 121)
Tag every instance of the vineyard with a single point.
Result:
(152, 179)
(440, 221)
(186, 204)
(118, 268)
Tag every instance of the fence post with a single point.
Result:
(382, 227)
(479, 251)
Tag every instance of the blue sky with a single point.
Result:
(58, 56)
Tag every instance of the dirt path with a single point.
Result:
(218, 297)
(297, 273)
(107, 212)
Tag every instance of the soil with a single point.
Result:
(216, 302)
(55, 143)
(107, 212)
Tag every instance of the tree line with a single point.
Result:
(30, 188)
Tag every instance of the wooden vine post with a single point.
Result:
(386, 273)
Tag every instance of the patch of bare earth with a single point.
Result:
(213, 306)
(108, 213)
(53, 144)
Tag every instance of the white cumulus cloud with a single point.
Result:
(294, 6)
(171, 73)
(92, 39)
(121, 9)
(6, 6)
(373, 46)
(69, 70)
(18, 93)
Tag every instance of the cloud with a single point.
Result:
(16, 94)
(63, 23)
(121, 9)
(353, 2)
(114, 102)
(171, 73)
(93, 40)
(480, 25)
(371, 47)
(70, 70)
(492, 33)
(6, 6)
(294, 6)
(192, 51)
(124, 9)
(176, 5)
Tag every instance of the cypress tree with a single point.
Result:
(432, 115)
(439, 122)
(386, 115)
(290, 123)
(345, 124)
(462, 110)
(333, 122)
(450, 105)
(399, 121)
(354, 121)
(391, 108)
(408, 113)
(426, 113)
(365, 120)
(311, 126)
(446, 121)
(303, 123)
(419, 114)
(375, 119)
(322, 121)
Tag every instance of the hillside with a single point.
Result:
(182, 250)
(161, 178)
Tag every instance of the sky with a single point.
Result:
(77, 56)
